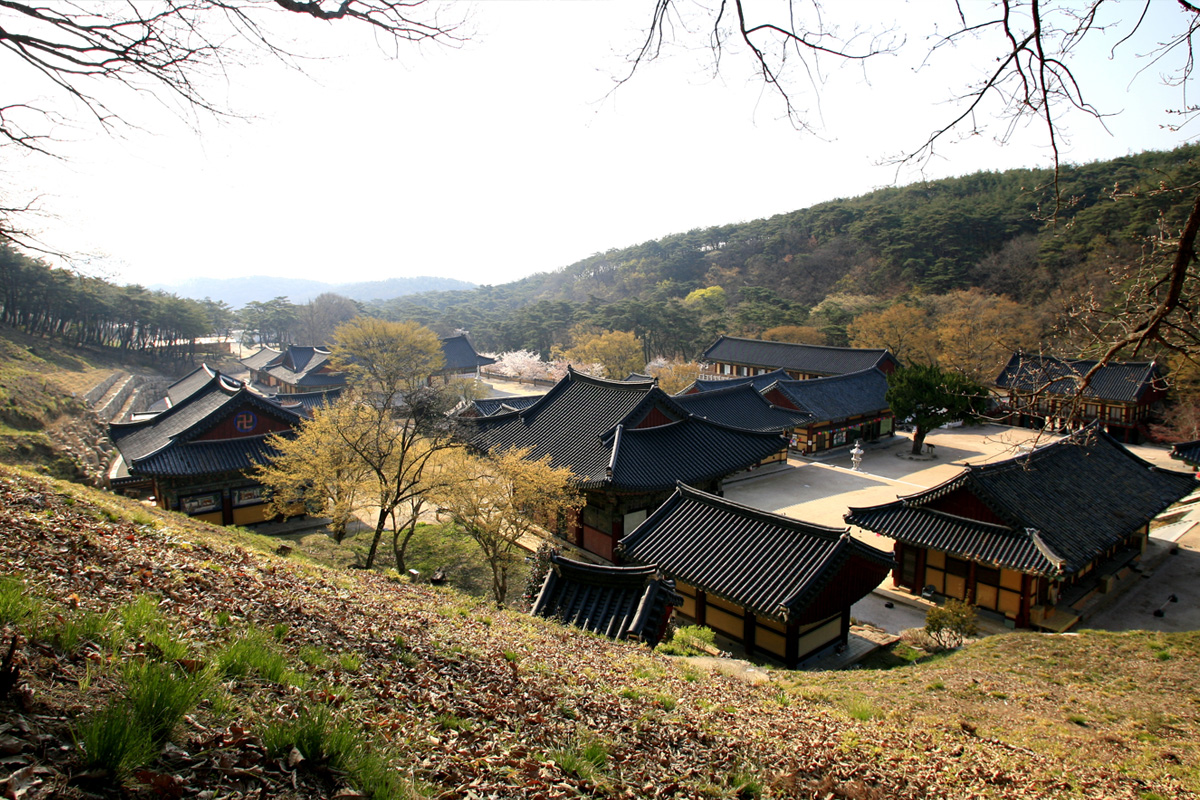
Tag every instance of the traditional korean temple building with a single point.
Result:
(735, 357)
(182, 389)
(1188, 452)
(759, 381)
(740, 405)
(841, 409)
(199, 452)
(294, 370)
(617, 602)
(1030, 537)
(490, 406)
(1041, 391)
(461, 358)
(627, 443)
(778, 586)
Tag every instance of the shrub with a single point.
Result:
(949, 624)
(685, 639)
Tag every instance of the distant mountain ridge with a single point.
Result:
(237, 292)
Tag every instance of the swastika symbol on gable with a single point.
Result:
(245, 421)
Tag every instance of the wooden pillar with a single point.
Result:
(226, 507)
(846, 625)
(791, 650)
(748, 625)
(1026, 601)
(970, 598)
(701, 606)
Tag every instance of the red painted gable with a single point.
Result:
(777, 397)
(245, 421)
(654, 418)
(962, 503)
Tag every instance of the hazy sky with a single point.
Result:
(509, 155)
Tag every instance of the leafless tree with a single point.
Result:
(81, 50)
(1034, 49)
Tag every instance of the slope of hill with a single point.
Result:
(239, 291)
(1017, 233)
(305, 682)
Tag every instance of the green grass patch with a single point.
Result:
(79, 627)
(254, 654)
(584, 757)
(862, 708)
(112, 740)
(161, 694)
(17, 606)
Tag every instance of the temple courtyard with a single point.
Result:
(822, 491)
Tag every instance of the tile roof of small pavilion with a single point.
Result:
(778, 567)
(623, 436)
(807, 358)
(1187, 451)
(838, 397)
(741, 406)
(1056, 508)
(260, 359)
(759, 382)
(164, 443)
(618, 602)
(489, 406)
(305, 402)
(1121, 381)
(183, 388)
(461, 356)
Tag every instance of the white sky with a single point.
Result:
(508, 156)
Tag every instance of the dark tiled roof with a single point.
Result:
(208, 457)
(1070, 501)
(618, 602)
(305, 402)
(192, 417)
(968, 538)
(742, 407)
(808, 358)
(296, 366)
(461, 356)
(576, 423)
(260, 359)
(759, 382)
(841, 396)
(189, 384)
(1187, 451)
(638, 377)
(489, 406)
(1121, 381)
(776, 566)
(691, 450)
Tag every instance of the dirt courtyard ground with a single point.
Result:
(823, 490)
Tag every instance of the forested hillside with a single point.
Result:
(1015, 234)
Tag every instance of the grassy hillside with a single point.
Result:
(40, 381)
(289, 679)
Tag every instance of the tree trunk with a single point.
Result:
(400, 543)
(379, 526)
(500, 584)
(919, 435)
